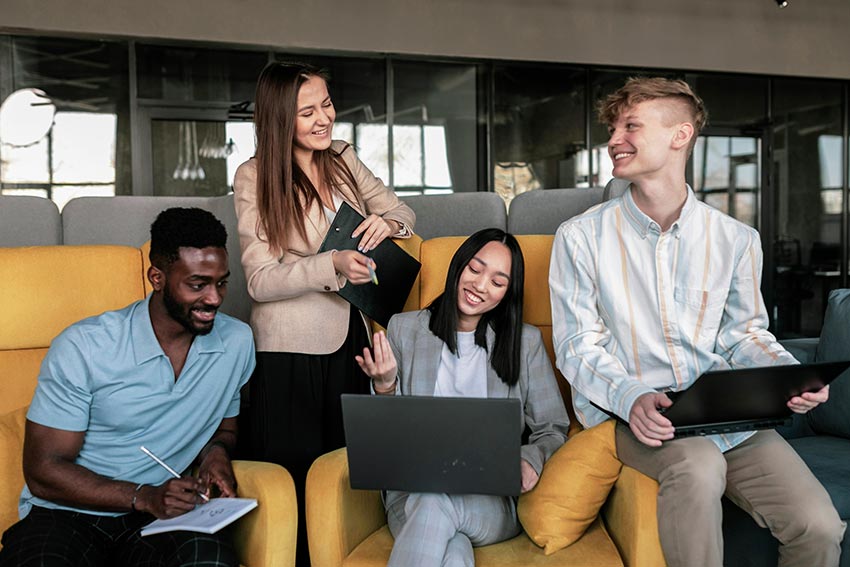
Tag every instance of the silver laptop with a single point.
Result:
(745, 399)
(433, 444)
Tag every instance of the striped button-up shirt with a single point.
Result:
(636, 310)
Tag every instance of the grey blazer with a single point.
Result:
(417, 351)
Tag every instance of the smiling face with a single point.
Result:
(646, 136)
(482, 284)
(315, 116)
(194, 287)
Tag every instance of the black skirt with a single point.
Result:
(295, 413)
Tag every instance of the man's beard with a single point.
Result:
(182, 314)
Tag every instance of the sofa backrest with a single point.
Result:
(457, 214)
(29, 221)
(435, 255)
(543, 211)
(127, 221)
(47, 288)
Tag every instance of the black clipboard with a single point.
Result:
(396, 271)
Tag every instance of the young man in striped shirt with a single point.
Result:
(650, 290)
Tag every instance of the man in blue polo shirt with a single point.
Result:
(164, 373)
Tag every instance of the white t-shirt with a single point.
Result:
(463, 375)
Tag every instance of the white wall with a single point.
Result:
(808, 38)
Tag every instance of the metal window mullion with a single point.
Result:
(136, 157)
(588, 117)
(390, 122)
(845, 173)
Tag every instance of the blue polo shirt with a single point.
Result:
(108, 376)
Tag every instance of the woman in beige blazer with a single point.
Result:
(306, 335)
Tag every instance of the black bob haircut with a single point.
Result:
(177, 228)
(505, 319)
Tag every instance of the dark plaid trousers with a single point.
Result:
(53, 538)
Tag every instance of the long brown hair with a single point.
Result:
(282, 186)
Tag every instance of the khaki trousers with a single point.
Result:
(763, 475)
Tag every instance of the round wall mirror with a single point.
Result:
(26, 116)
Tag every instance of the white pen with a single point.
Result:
(164, 465)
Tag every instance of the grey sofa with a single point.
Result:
(34, 221)
(821, 437)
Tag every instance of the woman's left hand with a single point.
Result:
(374, 230)
(529, 476)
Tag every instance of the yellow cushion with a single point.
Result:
(536, 251)
(11, 465)
(435, 255)
(18, 377)
(44, 289)
(573, 487)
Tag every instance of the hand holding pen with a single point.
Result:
(357, 268)
(173, 498)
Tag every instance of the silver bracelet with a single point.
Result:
(135, 495)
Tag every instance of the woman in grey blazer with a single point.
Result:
(306, 334)
(470, 341)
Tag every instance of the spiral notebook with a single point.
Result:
(396, 269)
(205, 518)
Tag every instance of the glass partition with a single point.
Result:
(807, 202)
(539, 122)
(434, 138)
(71, 137)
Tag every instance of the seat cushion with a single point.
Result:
(833, 417)
(594, 549)
(829, 459)
(573, 487)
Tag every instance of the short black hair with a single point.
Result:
(180, 227)
(505, 319)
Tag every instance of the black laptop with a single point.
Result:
(746, 399)
(433, 444)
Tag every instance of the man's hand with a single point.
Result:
(529, 476)
(175, 497)
(808, 401)
(647, 423)
(216, 470)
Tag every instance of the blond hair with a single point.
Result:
(641, 89)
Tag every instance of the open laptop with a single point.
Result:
(746, 399)
(433, 444)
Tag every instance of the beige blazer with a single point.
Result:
(293, 304)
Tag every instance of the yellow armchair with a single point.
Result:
(348, 527)
(95, 279)
(263, 538)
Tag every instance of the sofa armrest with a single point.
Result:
(338, 517)
(803, 350)
(630, 514)
(266, 536)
